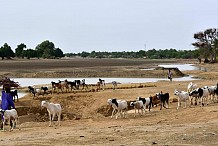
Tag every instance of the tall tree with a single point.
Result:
(19, 50)
(45, 49)
(6, 51)
(207, 43)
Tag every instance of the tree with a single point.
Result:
(19, 50)
(207, 43)
(6, 51)
(58, 53)
(45, 49)
(29, 53)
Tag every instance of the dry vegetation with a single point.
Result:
(85, 118)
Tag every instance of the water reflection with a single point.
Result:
(183, 67)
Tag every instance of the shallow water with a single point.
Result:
(183, 67)
(24, 82)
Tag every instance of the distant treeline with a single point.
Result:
(206, 47)
(46, 49)
(151, 54)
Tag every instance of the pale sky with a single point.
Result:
(106, 25)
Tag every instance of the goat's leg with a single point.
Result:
(135, 112)
(178, 105)
(113, 113)
(202, 101)
(144, 107)
(59, 119)
(13, 125)
(142, 111)
(118, 112)
(139, 112)
(161, 105)
(50, 119)
(3, 125)
(164, 104)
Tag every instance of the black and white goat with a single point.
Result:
(212, 93)
(9, 115)
(119, 105)
(138, 105)
(53, 110)
(202, 93)
(146, 102)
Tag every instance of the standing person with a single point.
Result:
(170, 75)
(7, 101)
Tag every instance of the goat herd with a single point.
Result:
(206, 94)
(68, 86)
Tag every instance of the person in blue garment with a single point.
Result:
(7, 101)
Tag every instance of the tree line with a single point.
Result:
(150, 54)
(206, 47)
(46, 49)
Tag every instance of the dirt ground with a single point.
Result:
(86, 117)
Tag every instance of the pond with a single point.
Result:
(25, 82)
(184, 67)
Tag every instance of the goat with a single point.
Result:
(56, 85)
(53, 110)
(36, 91)
(138, 105)
(212, 93)
(64, 84)
(202, 93)
(45, 89)
(32, 90)
(119, 105)
(194, 95)
(83, 83)
(10, 115)
(216, 91)
(191, 87)
(114, 83)
(100, 83)
(146, 102)
(164, 98)
(182, 96)
(14, 94)
(72, 84)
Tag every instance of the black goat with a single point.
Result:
(164, 98)
(14, 94)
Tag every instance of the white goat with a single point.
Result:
(182, 96)
(191, 87)
(53, 109)
(138, 105)
(9, 115)
(119, 105)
